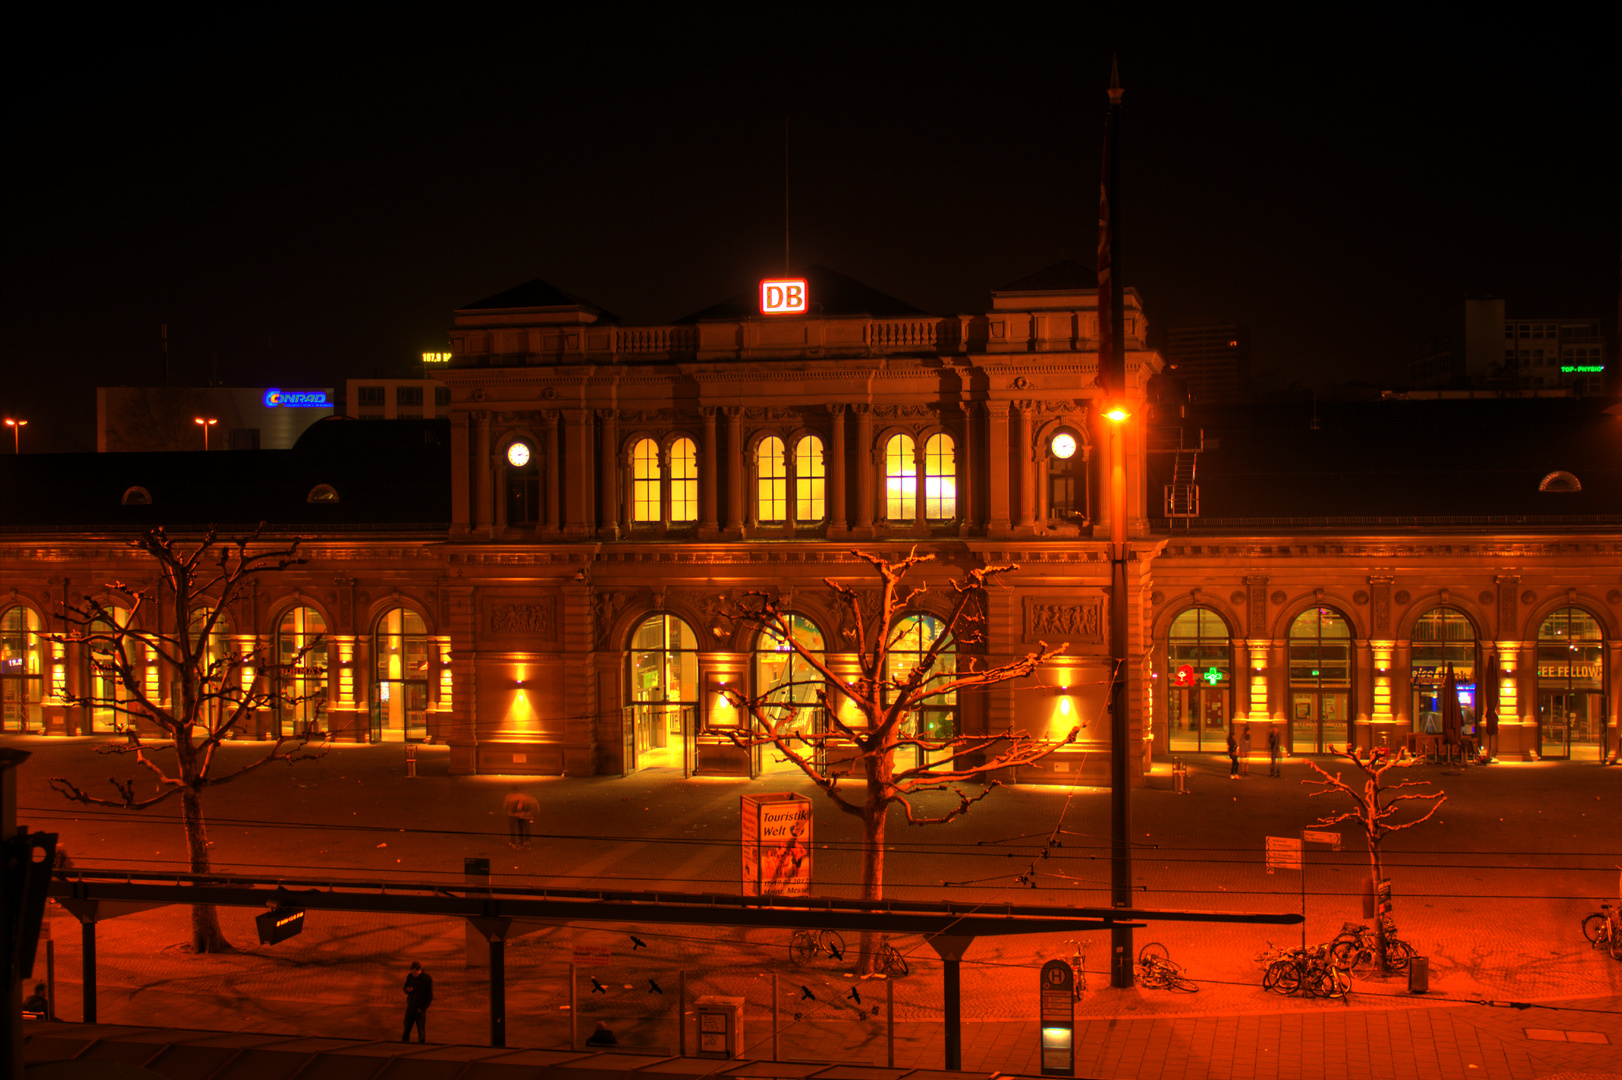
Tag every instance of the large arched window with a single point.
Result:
(940, 478)
(937, 718)
(683, 481)
(1320, 681)
(1443, 636)
(1199, 679)
(22, 670)
(810, 481)
(401, 676)
(900, 479)
(771, 481)
(110, 698)
(1571, 686)
(301, 672)
(663, 675)
(645, 497)
(782, 675)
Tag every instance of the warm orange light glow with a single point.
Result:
(783, 296)
(1117, 413)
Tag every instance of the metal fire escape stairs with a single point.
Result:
(1183, 493)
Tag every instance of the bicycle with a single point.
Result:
(1079, 967)
(888, 961)
(1603, 929)
(1312, 972)
(1355, 948)
(1157, 970)
(807, 945)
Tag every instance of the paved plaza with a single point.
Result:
(1491, 893)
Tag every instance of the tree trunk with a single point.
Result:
(1378, 874)
(206, 936)
(874, 818)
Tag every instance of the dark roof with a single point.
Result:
(831, 293)
(1066, 275)
(536, 293)
(1463, 459)
(387, 473)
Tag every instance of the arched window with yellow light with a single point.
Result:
(662, 670)
(1199, 681)
(936, 720)
(22, 670)
(683, 481)
(301, 672)
(1443, 636)
(900, 480)
(1571, 686)
(646, 506)
(402, 676)
(1320, 657)
(788, 684)
(940, 477)
(111, 649)
(771, 482)
(810, 481)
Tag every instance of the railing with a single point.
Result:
(904, 333)
(645, 340)
(1405, 522)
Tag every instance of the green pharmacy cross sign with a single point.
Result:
(1212, 676)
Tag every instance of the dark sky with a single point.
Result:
(309, 200)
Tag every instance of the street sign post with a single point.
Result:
(1058, 1027)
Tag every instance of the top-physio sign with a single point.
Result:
(783, 296)
(296, 399)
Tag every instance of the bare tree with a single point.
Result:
(1375, 809)
(879, 733)
(167, 634)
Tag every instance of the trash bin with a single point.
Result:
(1419, 975)
(411, 759)
(720, 1026)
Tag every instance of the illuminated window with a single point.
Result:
(1443, 636)
(22, 674)
(1571, 686)
(683, 481)
(810, 481)
(400, 656)
(523, 470)
(1320, 658)
(110, 653)
(900, 479)
(1199, 672)
(940, 478)
(645, 481)
(771, 473)
(783, 677)
(935, 722)
(301, 672)
(662, 670)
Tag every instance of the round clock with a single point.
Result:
(1063, 445)
(518, 455)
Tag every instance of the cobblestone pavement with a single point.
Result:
(1491, 892)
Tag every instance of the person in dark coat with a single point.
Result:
(37, 1006)
(1273, 752)
(1233, 755)
(419, 994)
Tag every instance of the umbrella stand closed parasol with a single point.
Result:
(1489, 722)
(1452, 721)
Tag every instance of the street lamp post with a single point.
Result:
(16, 427)
(205, 423)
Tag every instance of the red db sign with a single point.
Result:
(784, 296)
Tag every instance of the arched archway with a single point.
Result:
(401, 676)
(1320, 650)
(662, 672)
(1443, 636)
(936, 720)
(22, 670)
(790, 686)
(301, 671)
(1571, 686)
(1199, 681)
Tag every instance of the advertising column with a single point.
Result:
(776, 845)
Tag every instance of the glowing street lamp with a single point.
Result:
(16, 427)
(1117, 413)
(205, 424)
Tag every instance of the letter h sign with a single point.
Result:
(783, 296)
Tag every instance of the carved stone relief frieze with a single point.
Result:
(1080, 622)
(532, 618)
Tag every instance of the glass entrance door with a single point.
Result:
(1571, 725)
(1319, 721)
(1199, 718)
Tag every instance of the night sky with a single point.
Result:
(309, 200)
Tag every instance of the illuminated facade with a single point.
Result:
(545, 587)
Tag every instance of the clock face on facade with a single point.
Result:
(1063, 445)
(518, 455)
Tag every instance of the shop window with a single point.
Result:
(788, 683)
(662, 670)
(1199, 680)
(109, 653)
(771, 481)
(300, 675)
(1443, 636)
(136, 496)
(1571, 686)
(1320, 667)
(22, 670)
(936, 721)
(401, 677)
(900, 479)
(810, 481)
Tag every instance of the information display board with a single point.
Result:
(776, 845)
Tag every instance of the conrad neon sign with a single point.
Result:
(783, 296)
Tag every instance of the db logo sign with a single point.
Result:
(782, 296)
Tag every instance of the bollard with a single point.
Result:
(1419, 975)
(411, 759)
(1179, 777)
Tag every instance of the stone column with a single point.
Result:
(609, 475)
(864, 471)
(482, 497)
(1024, 425)
(968, 476)
(920, 517)
(734, 529)
(550, 524)
(997, 471)
(836, 471)
(709, 525)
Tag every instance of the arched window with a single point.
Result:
(1067, 477)
(783, 676)
(771, 480)
(1443, 636)
(810, 481)
(1320, 681)
(136, 496)
(645, 481)
(1199, 680)
(523, 496)
(108, 650)
(301, 672)
(940, 478)
(900, 479)
(662, 668)
(1571, 686)
(22, 670)
(215, 648)
(683, 481)
(912, 639)
(322, 493)
(401, 676)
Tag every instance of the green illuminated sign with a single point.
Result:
(1581, 369)
(1212, 676)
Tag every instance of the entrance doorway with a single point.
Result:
(663, 674)
(1320, 681)
(1571, 686)
(1199, 665)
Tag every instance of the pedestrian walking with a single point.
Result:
(1244, 752)
(521, 810)
(1272, 752)
(419, 994)
(1233, 755)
